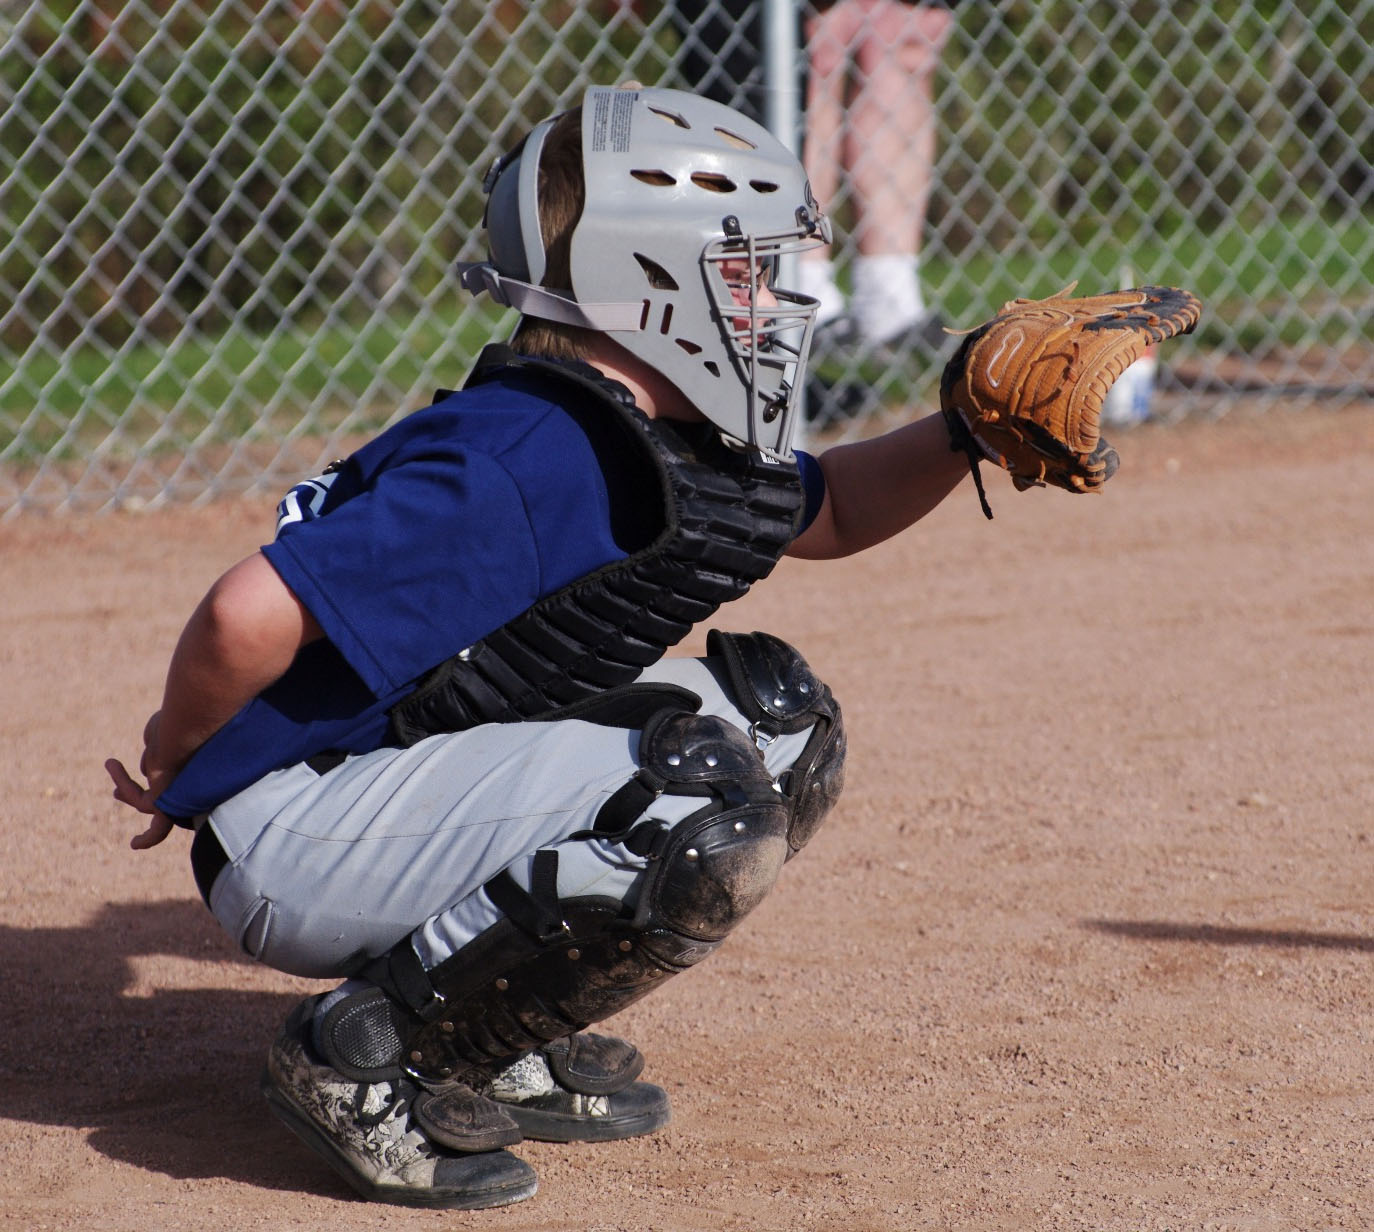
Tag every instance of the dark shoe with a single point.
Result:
(581, 1088)
(926, 334)
(830, 403)
(835, 339)
(832, 395)
(380, 1136)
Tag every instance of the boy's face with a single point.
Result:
(749, 286)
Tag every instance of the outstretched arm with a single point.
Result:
(242, 637)
(878, 487)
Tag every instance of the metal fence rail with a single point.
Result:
(229, 226)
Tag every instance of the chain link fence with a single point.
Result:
(230, 226)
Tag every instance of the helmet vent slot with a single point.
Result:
(667, 319)
(736, 140)
(659, 278)
(671, 116)
(713, 181)
(763, 186)
(690, 347)
(712, 368)
(659, 179)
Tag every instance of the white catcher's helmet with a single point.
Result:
(676, 185)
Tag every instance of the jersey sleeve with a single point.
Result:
(319, 704)
(429, 556)
(813, 486)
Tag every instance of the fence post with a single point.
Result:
(782, 115)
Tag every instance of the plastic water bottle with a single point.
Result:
(1128, 400)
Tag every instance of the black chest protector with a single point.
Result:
(728, 516)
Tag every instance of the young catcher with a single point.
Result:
(427, 738)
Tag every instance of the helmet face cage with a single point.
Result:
(769, 342)
(689, 208)
(678, 189)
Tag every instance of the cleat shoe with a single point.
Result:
(835, 339)
(580, 1088)
(373, 1136)
(925, 336)
(830, 403)
(841, 340)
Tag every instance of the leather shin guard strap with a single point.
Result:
(535, 910)
(403, 976)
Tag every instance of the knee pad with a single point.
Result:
(553, 967)
(711, 869)
(778, 692)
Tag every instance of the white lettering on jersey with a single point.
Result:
(304, 502)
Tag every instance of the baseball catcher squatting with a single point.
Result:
(428, 739)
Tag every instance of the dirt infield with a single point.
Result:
(1088, 944)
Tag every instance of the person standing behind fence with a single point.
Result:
(719, 57)
(870, 124)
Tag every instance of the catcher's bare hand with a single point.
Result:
(127, 789)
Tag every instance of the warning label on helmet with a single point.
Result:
(611, 116)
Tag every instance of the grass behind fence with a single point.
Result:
(1272, 282)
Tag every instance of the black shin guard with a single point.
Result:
(554, 967)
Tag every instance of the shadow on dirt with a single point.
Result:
(166, 1081)
(1215, 934)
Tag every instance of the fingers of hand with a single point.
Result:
(126, 790)
(158, 830)
(144, 799)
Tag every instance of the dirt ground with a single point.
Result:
(1086, 945)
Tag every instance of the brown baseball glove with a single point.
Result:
(1025, 390)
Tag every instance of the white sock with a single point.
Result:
(887, 295)
(817, 278)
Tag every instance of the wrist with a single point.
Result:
(962, 438)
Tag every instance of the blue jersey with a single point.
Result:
(430, 537)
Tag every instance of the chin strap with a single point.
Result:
(547, 305)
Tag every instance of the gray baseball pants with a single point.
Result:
(326, 871)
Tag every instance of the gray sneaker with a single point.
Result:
(370, 1134)
(580, 1088)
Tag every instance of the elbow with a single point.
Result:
(250, 617)
(232, 630)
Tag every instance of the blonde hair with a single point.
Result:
(562, 193)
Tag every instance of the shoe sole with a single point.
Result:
(478, 1198)
(545, 1126)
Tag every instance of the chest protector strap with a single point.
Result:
(728, 517)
